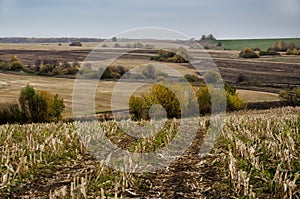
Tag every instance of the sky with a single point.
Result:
(226, 19)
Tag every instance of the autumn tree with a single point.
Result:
(40, 106)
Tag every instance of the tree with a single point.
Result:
(291, 46)
(114, 39)
(40, 106)
(149, 72)
(279, 46)
(212, 77)
(210, 37)
(26, 100)
(117, 45)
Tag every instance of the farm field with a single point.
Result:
(256, 156)
(263, 44)
(11, 84)
(278, 72)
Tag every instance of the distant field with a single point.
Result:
(10, 86)
(263, 44)
(256, 96)
(47, 46)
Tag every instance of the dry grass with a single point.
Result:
(256, 156)
(47, 46)
(256, 96)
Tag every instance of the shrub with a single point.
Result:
(241, 78)
(57, 71)
(149, 72)
(159, 94)
(4, 66)
(46, 70)
(75, 44)
(16, 66)
(117, 45)
(28, 70)
(39, 106)
(293, 97)
(72, 71)
(10, 113)
(212, 77)
(14, 58)
(293, 52)
(113, 72)
(114, 39)
(167, 56)
(204, 101)
(139, 106)
(248, 53)
(193, 79)
(281, 46)
(256, 49)
(268, 53)
(234, 102)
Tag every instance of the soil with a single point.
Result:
(256, 71)
(190, 176)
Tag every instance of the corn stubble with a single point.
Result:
(256, 156)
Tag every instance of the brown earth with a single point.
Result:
(258, 72)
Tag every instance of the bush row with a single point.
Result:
(178, 100)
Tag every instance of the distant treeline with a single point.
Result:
(47, 40)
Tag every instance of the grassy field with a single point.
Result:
(256, 156)
(263, 44)
(11, 84)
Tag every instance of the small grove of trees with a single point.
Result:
(75, 43)
(111, 72)
(293, 52)
(167, 56)
(41, 67)
(34, 106)
(150, 72)
(208, 37)
(292, 97)
(282, 46)
(13, 65)
(248, 53)
(163, 95)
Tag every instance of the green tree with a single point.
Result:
(114, 39)
(40, 106)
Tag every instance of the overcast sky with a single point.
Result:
(104, 18)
